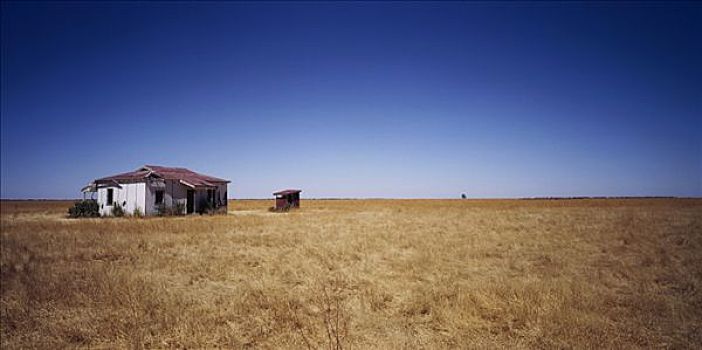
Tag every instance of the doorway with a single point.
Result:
(191, 202)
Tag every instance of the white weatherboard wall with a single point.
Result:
(130, 196)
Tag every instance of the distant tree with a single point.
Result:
(463, 196)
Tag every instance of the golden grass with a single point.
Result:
(358, 274)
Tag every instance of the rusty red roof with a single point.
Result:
(285, 192)
(188, 177)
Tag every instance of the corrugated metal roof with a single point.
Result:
(186, 176)
(284, 192)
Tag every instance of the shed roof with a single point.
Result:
(185, 176)
(285, 192)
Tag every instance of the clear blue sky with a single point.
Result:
(356, 99)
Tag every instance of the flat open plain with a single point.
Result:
(358, 274)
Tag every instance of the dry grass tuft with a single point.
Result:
(361, 274)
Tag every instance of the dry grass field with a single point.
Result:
(358, 274)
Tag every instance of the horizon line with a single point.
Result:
(418, 198)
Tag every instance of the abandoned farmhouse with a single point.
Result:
(151, 189)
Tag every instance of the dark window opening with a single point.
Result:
(110, 196)
(159, 197)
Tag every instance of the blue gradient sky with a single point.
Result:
(356, 99)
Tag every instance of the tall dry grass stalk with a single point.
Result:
(358, 274)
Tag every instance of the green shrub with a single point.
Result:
(84, 209)
(117, 210)
(137, 212)
(178, 208)
(205, 207)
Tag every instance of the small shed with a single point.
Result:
(287, 199)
